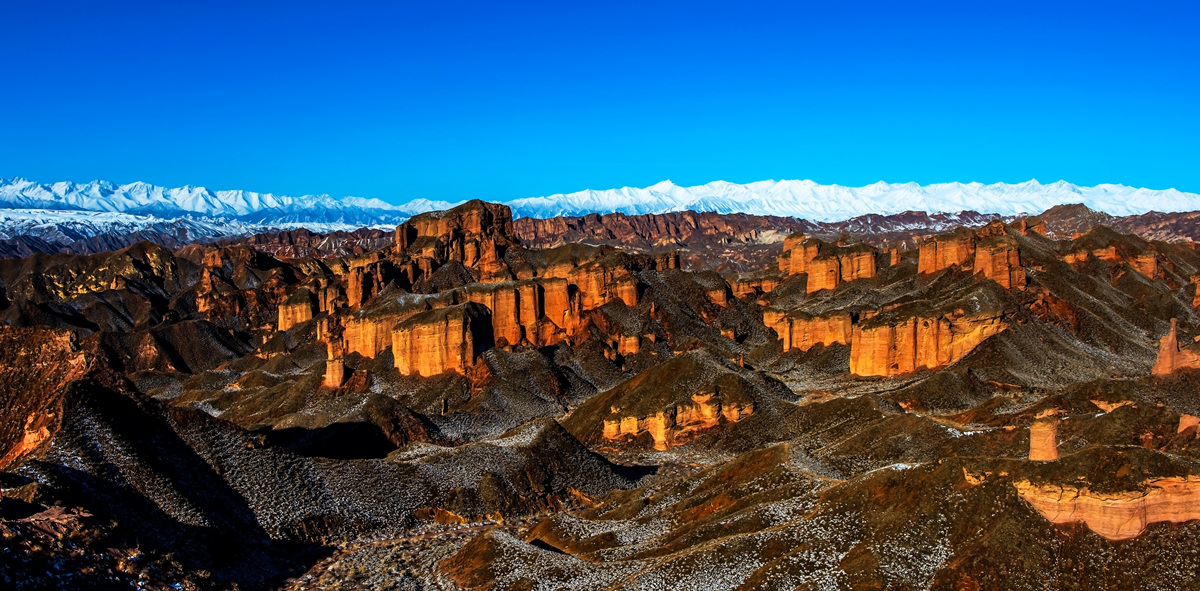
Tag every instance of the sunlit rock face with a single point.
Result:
(35, 365)
(827, 265)
(882, 348)
(999, 259)
(297, 309)
(1171, 357)
(439, 341)
(1043, 439)
(945, 251)
(801, 331)
(475, 234)
(1119, 515)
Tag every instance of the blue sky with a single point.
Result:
(453, 100)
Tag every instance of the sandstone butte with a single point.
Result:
(827, 265)
(989, 252)
(679, 423)
(1170, 357)
(437, 341)
(998, 258)
(476, 234)
(803, 332)
(335, 364)
(297, 309)
(879, 348)
(1120, 515)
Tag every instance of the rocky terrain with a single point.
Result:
(660, 401)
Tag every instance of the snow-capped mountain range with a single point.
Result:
(828, 203)
(63, 212)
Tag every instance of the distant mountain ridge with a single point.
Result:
(828, 203)
(100, 215)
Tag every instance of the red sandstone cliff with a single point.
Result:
(438, 341)
(879, 348)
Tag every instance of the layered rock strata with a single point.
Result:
(894, 348)
(999, 259)
(1120, 515)
(802, 331)
(439, 341)
(297, 309)
(1043, 439)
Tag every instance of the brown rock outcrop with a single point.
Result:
(945, 251)
(35, 365)
(476, 234)
(1146, 264)
(894, 348)
(1170, 357)
(754, 286)
(1116, 516)
(801, 331)
(438, 341)
(798, 251)
(1043, 439)
(335, 365)
(678, 424)
(999, 259)
(297, 309)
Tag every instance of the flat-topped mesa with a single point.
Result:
(803, 332)
(1170, 357)
(298, 308)
(1119, 515)
(600, 283)
(879, 348)
(444, 340)
(535, 311)
(998, 258)
(839, 264)
(946, 250)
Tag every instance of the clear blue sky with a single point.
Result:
(452, 100)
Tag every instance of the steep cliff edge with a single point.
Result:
(438, 341)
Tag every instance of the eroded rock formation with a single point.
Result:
(888, 348)
(945, 251)
(438, 341)
(678, 424)
(1116, 516)
(297, 309)
(801, 331)
(1171, 357)
(475, 234)
(1043, 439)
(999, 259)
(35, 365)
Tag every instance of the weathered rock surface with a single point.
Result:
(448, 339)
(888, 348)
(1171, 358)
(1116, 516)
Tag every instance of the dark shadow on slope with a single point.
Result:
(338, 441)
(134, 469)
